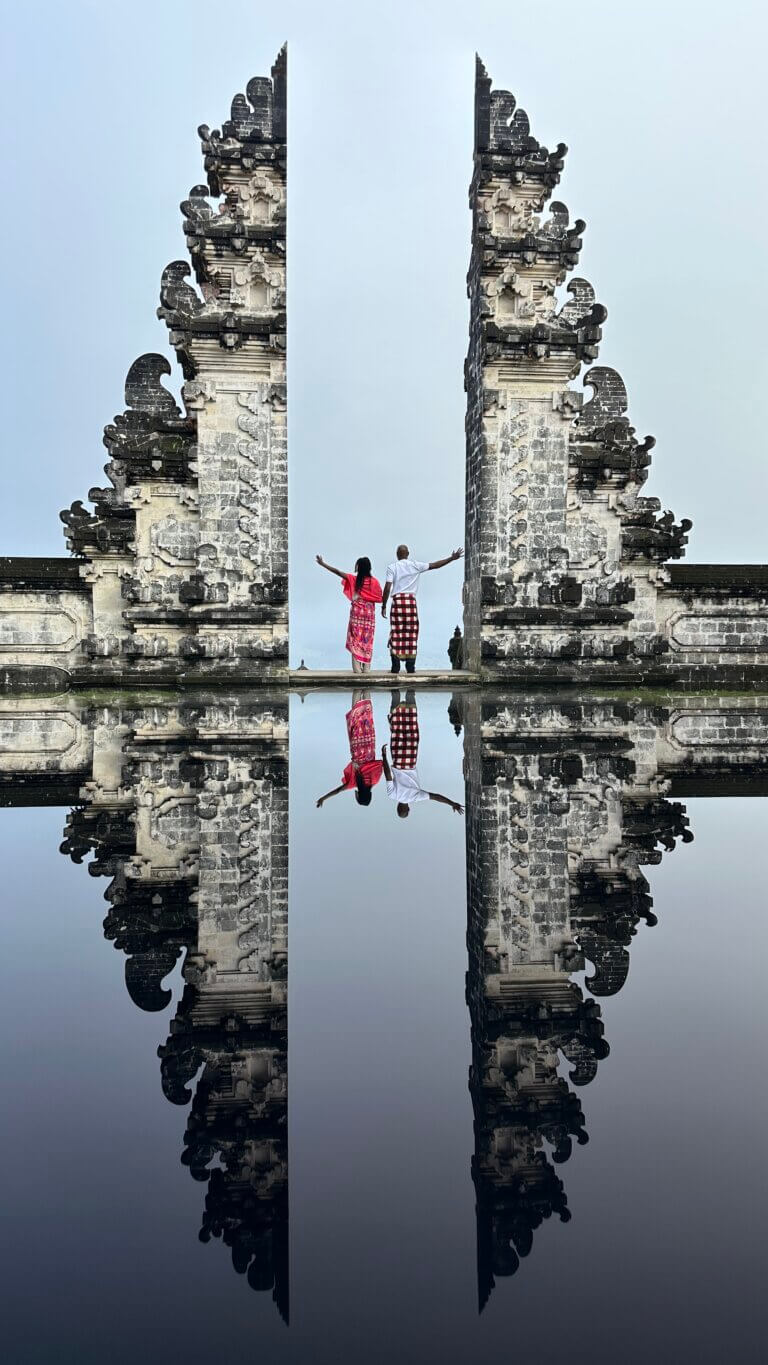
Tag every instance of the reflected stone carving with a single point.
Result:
(185, 810)
(567, 802)
(183, 806)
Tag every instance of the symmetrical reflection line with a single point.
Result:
(183, 805)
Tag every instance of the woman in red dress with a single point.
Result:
(363, 592)
(364, 769)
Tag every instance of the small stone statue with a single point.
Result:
(456, 649)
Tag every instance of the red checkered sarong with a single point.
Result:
(403, 626)
(404, 736)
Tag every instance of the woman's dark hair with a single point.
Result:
(363, 793)
(363, 570)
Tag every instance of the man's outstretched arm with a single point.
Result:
(385, 598)
(446, 801)
(441, 563)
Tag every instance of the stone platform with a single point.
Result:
(381, 677)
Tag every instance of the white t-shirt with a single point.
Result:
(405, 787)
(404, 574)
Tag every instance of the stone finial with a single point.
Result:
(605, 448)
(609, 400)
(144, 391)
(176, 297)
(79, 527)
(581, 308)
(502, 129)
(649, 533)
(196, 208)
(255, 131)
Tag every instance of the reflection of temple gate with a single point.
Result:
(184, 807)
(567, 800)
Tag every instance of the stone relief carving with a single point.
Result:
(174, 541)
(516, 296)
(38, 629)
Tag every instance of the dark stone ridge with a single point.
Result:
(749, 579)
(18, 574)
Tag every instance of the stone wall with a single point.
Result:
(45, 616)
(715, 618)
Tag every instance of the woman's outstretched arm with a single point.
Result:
(335, 792)
(329, 567)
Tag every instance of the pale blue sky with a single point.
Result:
(662, 107)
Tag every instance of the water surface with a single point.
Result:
(486, 1107)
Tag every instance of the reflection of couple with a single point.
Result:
(364, 591)
(364, 770)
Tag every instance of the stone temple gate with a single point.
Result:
(179, 574)
(568, 573)
(181, 569)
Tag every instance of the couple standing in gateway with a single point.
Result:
(364, 591)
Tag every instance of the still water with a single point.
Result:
(337, 1083)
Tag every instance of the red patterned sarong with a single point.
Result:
(362, 747)
(360, 631)
(361, 733)
(403, 626)
(404, 735)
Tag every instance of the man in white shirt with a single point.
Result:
(402, 582)
(402, 778)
